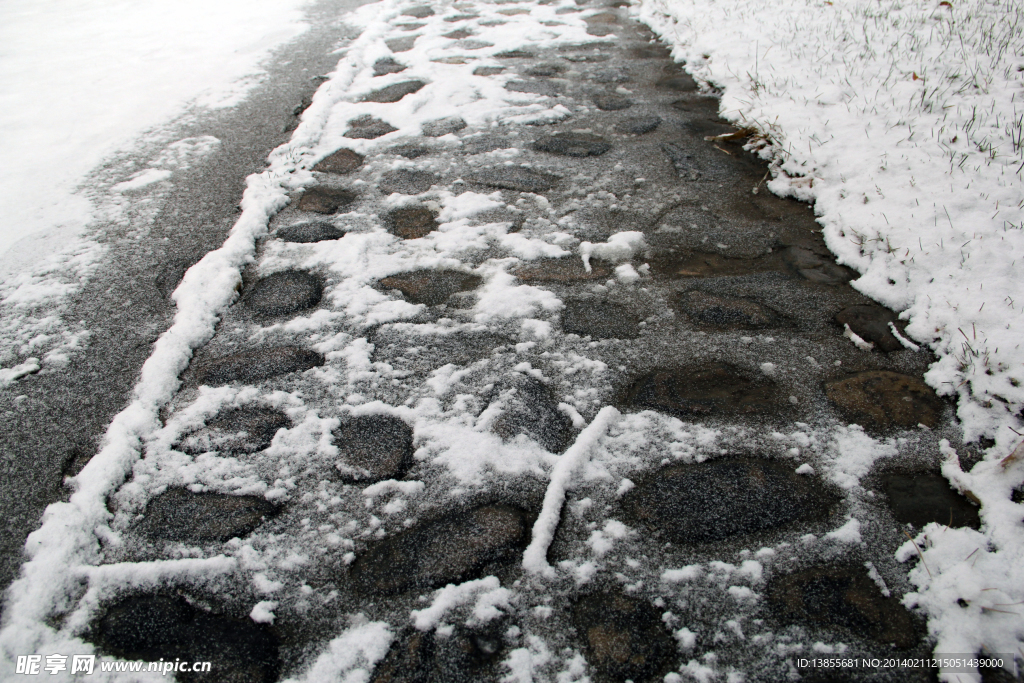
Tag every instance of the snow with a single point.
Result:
(487, 595)
(901, 124)
(117, 69)
(350, 657)
(535, 556)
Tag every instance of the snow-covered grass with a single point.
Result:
(900, 122)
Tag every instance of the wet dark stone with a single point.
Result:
(458, 34)
(815, 267)
(154, 628)
(452, 549)
(405, 181)
(395, 91)
(403, 44)
(925, 497)
(488, 70)
(410, 26)
(421, 12)
(465, 656)
(884, 399)
(431, 287)
(600, 319)
(546, 70)
(289, 291)
(684, 163)
(545, 88)
(650, 52)
(409, 151)
(341, 161)
(714, 389)
(515, 178)
(513, 12)
(680, 83)
(325, 200)
(573, 145)
(871, 323)
(515, 54)
(625, 638)
(608, 102)
(486, 143)
(411, 222)
(727, 312)
(387, 65)
(530, 408)
(445, 126)
(186, 517)
(715, 500)
(374, 448)
(244, 430)
(844, 597)
(562, 270)
(460, 17)
(257, 365)
(306, 233)
(600, 30)
(366, 127)
(602, 18)
(706, 264)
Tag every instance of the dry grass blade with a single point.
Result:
(919, 553)
(1013, 457)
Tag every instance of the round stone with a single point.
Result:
(256, 365)
(712, 501)
(885, 400)
(307, 233)
(573, 145)
(528, 407)
(452, 549)
(245, 430)
(367, 127)
(341, 161)
(515, 178)
(714, 389)
(405, 181)
(429, 286)
(326, 200)
(445, 126)
(411, 222)
(609, 102)
(184, 516)
(387, 65)
(726, 312)
(871, 323)
(394, 92)
(638, 125)
(373, 448)
(625, 638)
(283, 293)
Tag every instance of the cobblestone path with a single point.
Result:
(541, 391)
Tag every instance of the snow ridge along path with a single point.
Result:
(495, 224)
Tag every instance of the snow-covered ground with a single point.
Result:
(901, 123)
(80, 81)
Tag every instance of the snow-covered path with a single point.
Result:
(510, 369)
